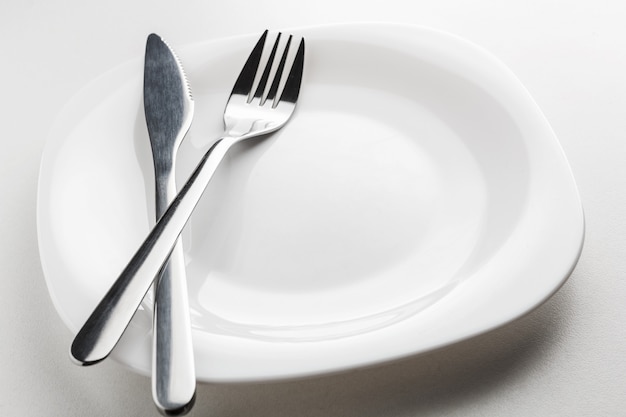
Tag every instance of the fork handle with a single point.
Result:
(106, 324)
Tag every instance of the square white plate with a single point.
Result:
(417, 198)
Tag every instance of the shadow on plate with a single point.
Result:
(428, 384)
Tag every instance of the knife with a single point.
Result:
(168, 108)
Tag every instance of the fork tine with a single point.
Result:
(279, 71)
(244, 82)
(266, 73)
(292, 85)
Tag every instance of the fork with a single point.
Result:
(262, 100)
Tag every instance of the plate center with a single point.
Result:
(339, 209)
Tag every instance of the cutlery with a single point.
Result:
(168, 108)
(262, 100)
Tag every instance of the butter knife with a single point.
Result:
(168, 108)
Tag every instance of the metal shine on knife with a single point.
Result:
(168, 108)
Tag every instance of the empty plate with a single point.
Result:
(418, 197)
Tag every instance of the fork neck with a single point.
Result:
(242, 128)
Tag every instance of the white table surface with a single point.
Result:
(566, 358)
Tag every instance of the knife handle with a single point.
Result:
(173, 369)
(106, 324)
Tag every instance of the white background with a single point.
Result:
(566, 358)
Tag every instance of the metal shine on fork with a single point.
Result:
(249, 113)
(251, 110)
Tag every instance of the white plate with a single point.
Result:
(417, 198)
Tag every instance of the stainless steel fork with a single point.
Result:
(262, 100)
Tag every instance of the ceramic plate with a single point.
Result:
(417, 198)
